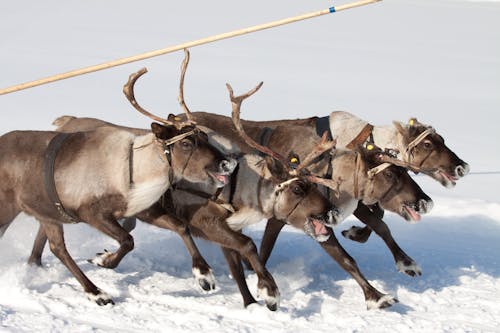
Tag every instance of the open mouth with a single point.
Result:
(316, 228)
(445, 178)
(410, 214)
(221, 179)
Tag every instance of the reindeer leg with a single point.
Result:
(219, 232)
(128, 224)
(55, 235)
(201, 270)
(234, 261)
(113, 229)
(374, 298)
(273, 228)
(361, 234)
(38, 246)
(404, 263)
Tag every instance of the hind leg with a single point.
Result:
(55, 235)
(38, 246)
(8, 213)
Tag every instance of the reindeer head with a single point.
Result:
(190, 155)
(387, 182)
(294, 197)
(426, 149)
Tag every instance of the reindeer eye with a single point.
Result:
(186, 144)
(428, 144)
(296, 189)
(389, 174)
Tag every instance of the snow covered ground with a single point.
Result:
(437, 60)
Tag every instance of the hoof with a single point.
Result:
(409, 267)
(382, 303)
(272, 302)
(205, 281)
(101, 298)
(101, 259)
(356, 234)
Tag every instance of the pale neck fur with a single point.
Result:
(388, 137)
(150, 174)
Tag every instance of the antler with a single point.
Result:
(235, 115)
(128, 90)
(323, 146)
(184, 65)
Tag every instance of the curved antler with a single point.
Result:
(184, 65)
(128, 90)
(235, 115)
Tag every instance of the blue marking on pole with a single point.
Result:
(332, 9)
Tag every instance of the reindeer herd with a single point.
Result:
(206, 175)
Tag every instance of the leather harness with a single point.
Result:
(49, 181)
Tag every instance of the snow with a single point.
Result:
(437, 60)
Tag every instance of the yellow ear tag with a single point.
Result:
(177, 118)
(369, 147)
(294, 160)
(412, 122)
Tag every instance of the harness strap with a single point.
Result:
(416, 141)
(49, 181)
(361, 137)
(357, 162)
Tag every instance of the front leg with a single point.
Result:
(374, 298)
(202, 272)
(236, 268)
(213, 226)
(404, 263)
(273, 229)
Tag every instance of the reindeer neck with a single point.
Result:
(350, 174)
(149, 173)
(388, 137)
(255, 188)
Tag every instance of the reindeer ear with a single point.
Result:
(277, 169)
(163, 132)
(399, 127)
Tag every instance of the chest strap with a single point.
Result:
(49, 181)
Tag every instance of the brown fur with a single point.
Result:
(93, 180)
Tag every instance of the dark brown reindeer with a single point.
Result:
(263, 187)
(414, 143)
(100, 176)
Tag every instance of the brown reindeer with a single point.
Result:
(416, 144)
(100, 176)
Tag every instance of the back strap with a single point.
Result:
(49, 181)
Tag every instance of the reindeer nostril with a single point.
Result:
(227, 165)
(462, 170)
(425, 206)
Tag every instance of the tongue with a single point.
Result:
(414, 215)
(222, 178)
(319, 228)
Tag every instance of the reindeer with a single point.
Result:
(419, 146)
(103, 175)
(361, 175)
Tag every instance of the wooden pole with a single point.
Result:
(178, 47)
